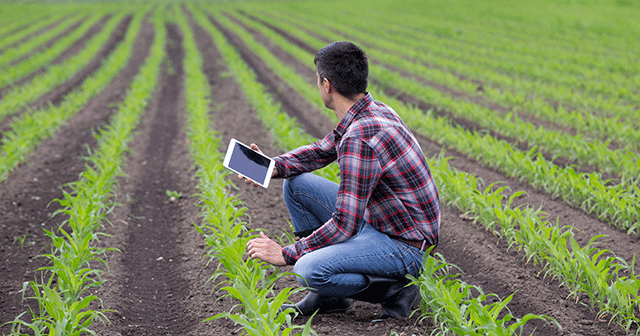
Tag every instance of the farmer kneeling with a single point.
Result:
(360, 238)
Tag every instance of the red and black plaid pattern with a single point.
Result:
(384, 179)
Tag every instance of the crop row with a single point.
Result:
(597, 273)
(55, 75)
(461, 71)
(446, 70)
(65, 307)
(617, 203)
(12, 74)
(530, 71)
(24, 48)
(540, 239)
(488, 312)
(623, 162)
(591, 62)
(19, 18)
(588, 270)
(30, 129)
(64, 311)
(223, 225)
(449, 53)
(31, 29)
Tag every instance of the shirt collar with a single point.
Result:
(360, 105)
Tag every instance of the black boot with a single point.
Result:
(317, 302)
(396, 297)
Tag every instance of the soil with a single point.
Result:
(33, 34)
(157, 283)
(49, 43)
(464, 243)
(415, 100)
(26, 197)
(71, 51)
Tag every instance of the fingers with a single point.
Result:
(256, 245)
(265, 249)
(255, 147)
(247, 180)
(258, 242)
(257, 250)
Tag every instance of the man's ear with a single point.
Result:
(327, 85)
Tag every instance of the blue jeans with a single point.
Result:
(338, 270)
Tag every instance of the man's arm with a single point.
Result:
(302, 159)
(306, 158)
(360, 172)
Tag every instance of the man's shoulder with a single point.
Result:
(374, 127)
(376, 115)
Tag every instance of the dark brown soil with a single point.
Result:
(53, 40)
(72, 50)
(149, 282)
(292, 104)
(36, 33)
(486, 262)
(158, 283)
(267, 208)
(583, 222)
(416, 100)
(26, 197)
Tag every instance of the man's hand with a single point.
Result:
(266, 249)
(248, 180)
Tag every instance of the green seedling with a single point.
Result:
(65, 307)
(270, 112)
(248, 281)
(521, 227)
(173, 195)
(21, 239)
(614, 203)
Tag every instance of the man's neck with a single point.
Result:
(343, 104)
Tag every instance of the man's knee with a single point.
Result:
(286, 188)
(289, 187)
(308, 271)
(292, 183)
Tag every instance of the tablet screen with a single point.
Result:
(249, 163)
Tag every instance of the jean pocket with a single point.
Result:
(408, 260)
(414, 269)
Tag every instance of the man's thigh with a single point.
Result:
(311, 201)
(369, 252)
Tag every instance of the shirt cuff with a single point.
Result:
(290, 254)
(280, 167)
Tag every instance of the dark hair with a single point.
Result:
(345, 65)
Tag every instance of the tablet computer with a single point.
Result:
(249, 163)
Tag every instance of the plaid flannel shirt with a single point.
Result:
(384, 179)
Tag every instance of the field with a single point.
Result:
(114, 118)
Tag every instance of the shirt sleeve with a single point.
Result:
(306, 158)
(360, 172)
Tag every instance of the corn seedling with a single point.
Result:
(226, 234)
(20, 96)
(63, 304)
(241, 68)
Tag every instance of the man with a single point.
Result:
(360, 238)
